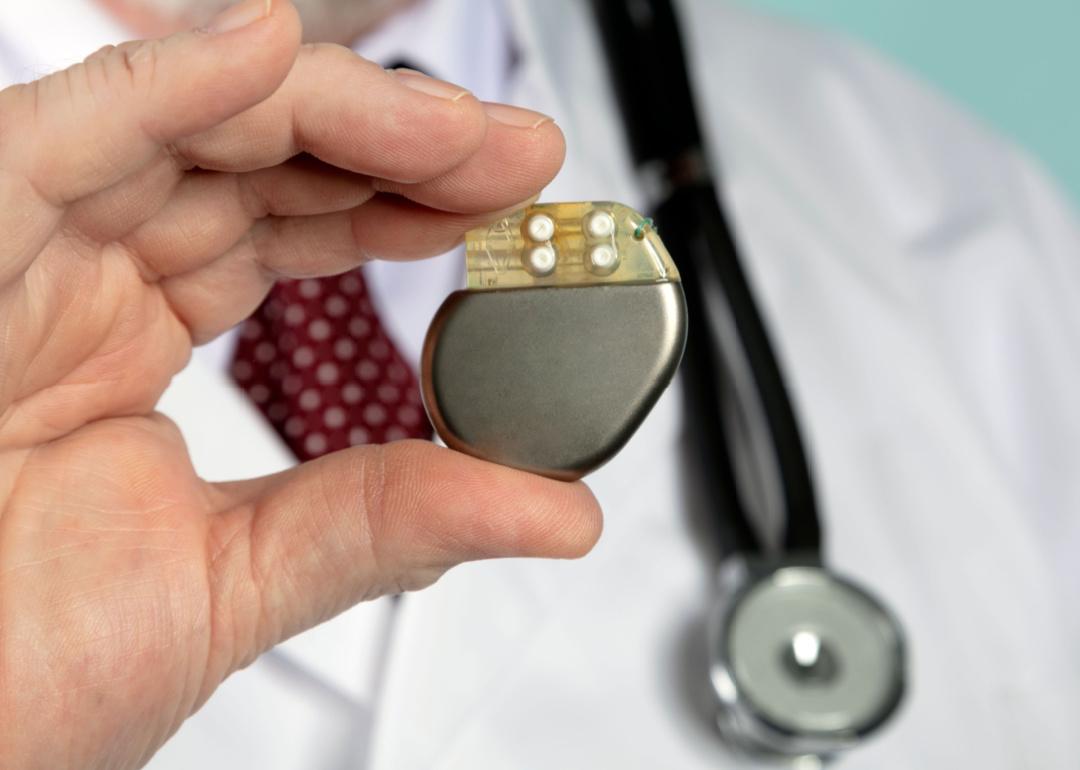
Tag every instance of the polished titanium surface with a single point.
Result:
(551, 380)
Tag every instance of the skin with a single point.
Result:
(325, 21)
(148, 199)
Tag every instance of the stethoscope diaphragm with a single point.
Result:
(803, 662)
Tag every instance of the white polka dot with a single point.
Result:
(395, 433)
(260, 394)
(367, 370)
(294, 315)
(279, 369)
(242, 370)
(409, 414)
(294, 426)
(350, 283)
(397, 372)
(291, 385)
(358, 436)
(273, 309)
(336, 306)
(334, 417)
(359, 327)
(374, 414)
(351, 393)
(277, 412)
(388, 393)
(251, 329)
(309, 288)
(315, 444)
(344, 348)
(265, 352)
(310, 399)
(379, 349)
(327, 373)
(304, 356)
(319, 329)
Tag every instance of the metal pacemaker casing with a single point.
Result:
(572, 325)
(551, 380)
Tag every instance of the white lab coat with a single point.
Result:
(920, 279)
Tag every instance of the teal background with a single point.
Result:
(1014, 63)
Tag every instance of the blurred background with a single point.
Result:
(1012, 63)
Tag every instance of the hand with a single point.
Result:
(148, 199)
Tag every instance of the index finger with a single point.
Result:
(351, 113)
(85, 128)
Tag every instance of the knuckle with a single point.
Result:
(332, 53)
(100, 53)
(330, 58)
(132, 65)
(11, 112)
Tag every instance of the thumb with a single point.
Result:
(291, 550)
(94, 123)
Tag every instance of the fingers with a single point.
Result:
(391, 227)
(209, 212)
(295, 548)
(211, 293)
(352, 114)
(522, 152)
(95, 123)
(216, 297)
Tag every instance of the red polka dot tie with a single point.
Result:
(319, 365)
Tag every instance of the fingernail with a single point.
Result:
(516, 116)
(418, 81)
(240, 15)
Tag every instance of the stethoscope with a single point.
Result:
(803, 662)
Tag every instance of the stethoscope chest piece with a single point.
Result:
(803, 662)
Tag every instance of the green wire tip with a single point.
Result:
(646, 223)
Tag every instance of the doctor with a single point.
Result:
(920, 280)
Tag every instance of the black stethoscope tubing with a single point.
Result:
(731, 371)
(749, 450)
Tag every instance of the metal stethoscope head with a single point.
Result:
(803, 662)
